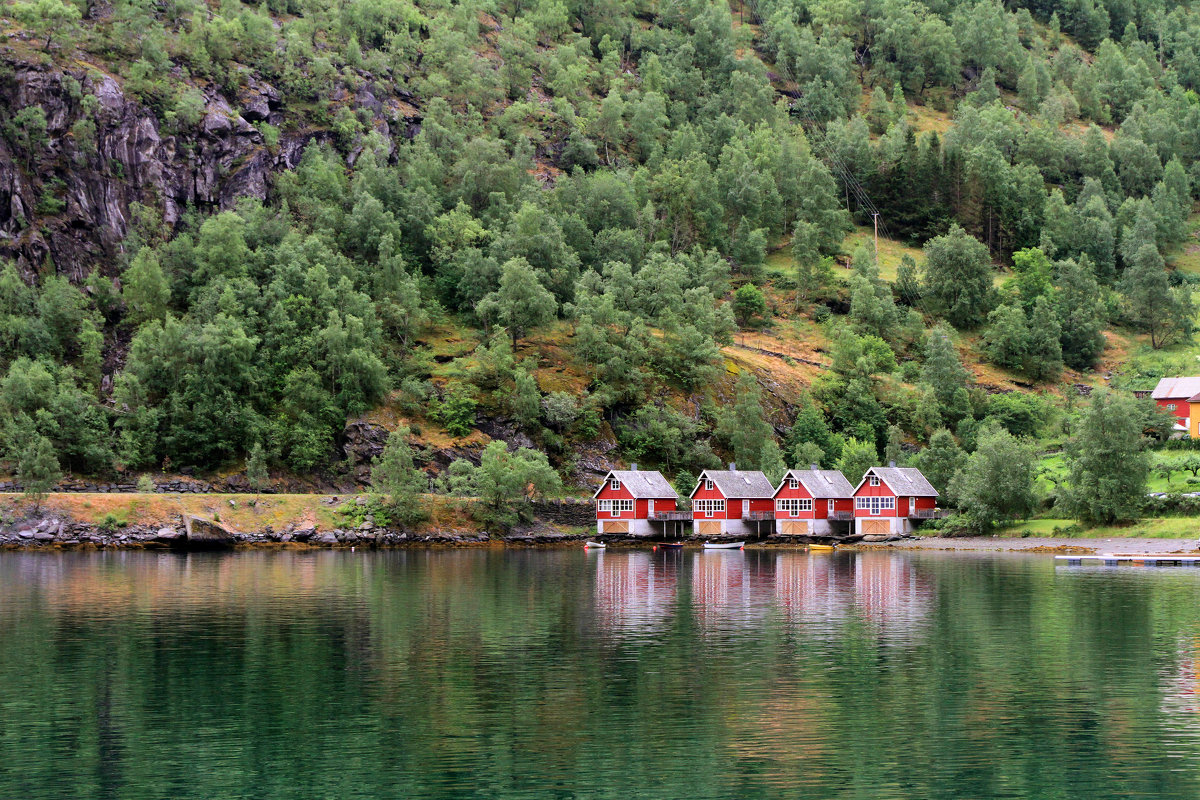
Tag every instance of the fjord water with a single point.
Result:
(622, 674)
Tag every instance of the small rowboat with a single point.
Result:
(672, 545)
(594, 545)
(822, 548)
(724, 545)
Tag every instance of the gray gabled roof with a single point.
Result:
(902, 481)
(821, 483)
(1176, 388)
(740, 484)
(641, 483)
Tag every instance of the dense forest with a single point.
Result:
(549, 222)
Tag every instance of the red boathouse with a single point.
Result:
(630, 499)
(888, 499)
(731, 502)
(1180, 396)
(808, 500)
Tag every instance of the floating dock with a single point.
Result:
(1134, 559)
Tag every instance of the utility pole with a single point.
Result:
(876, 216)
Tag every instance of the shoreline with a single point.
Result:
(70, 537)
(1044, 545)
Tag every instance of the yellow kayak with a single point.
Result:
(822, 547)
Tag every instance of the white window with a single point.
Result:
(873, 480)
(708, 507)
(875, 504)
(829, 506)
(615, 507)
(708, 485)
(614, 484)
(793, 483)
(1171, 406)
(792, 506)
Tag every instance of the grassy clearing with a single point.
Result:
(1150, 528)
(890, 251)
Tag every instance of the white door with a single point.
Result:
(745, 508)
(829, 506)
(651, 508)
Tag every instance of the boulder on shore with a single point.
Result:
(207, 533)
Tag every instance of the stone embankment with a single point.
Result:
(53, 530)
(54, 533)
(165, 487)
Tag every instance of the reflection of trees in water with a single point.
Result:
(529, 673)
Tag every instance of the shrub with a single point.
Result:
(456, 412)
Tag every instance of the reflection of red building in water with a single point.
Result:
(885, 589)
(1181, 690)
(634, 590)
(809, 585)
(889, 590)
(732, 586)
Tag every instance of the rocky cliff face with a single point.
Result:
(134, 158)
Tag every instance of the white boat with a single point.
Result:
(594, 545)
(724, 545)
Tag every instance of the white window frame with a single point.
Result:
(1171, 406)
(615, 507)
(875, 504)
(708, 484)
(793, 483)
(792, 506)
(873, 480)
(830, 506)
(708, 507)
(614, 484)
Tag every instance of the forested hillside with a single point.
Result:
(608, 231)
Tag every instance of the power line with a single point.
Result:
(820, 141)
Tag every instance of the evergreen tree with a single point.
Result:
(941, 461)
(1007, 337)
(395, 475)
(943, 370)
(908, 281)
(1043, 355)
(37, 470)
(145, 289)
(893, 452)
(770, 461)
(1106, 460)
(526, 400)
(743, 425)
(810, 429)
(256, 468)
(1150, 302)
(857, 457)
(1080, 313)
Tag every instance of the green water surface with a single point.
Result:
(622, 674)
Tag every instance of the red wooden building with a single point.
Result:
(809, 500)
(888, 499)
(1180, 396)
(630, 500)
(732, 502)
